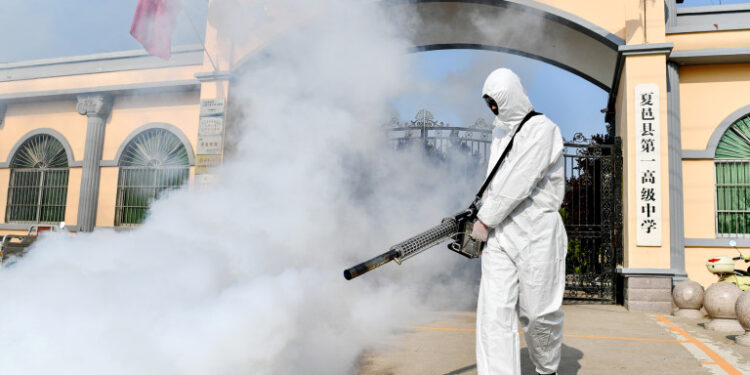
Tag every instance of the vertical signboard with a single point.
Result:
(210, 140)
(648, 165)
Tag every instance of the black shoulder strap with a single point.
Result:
(505, 153)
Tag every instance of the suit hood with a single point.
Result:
(513, 104)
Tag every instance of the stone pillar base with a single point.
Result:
(689, 313)
(724, 325)
(649, 294)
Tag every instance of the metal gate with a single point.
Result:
(591, 210)
(441, 138)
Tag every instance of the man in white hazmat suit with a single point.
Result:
(523, 264)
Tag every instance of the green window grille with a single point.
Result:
(155, 161)
(38, 187)
(732, 161)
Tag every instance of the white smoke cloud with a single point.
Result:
(246, 277)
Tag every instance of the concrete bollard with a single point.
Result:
(742, 309)
(719, 302)
(688, 296)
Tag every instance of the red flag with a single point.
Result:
(153, 24)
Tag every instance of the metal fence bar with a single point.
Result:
(137, 187)
(732, 197)
(37, 195)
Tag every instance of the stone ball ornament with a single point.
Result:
(742, 309)
(719, 302)
(688, 296)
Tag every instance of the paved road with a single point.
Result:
(598, 340)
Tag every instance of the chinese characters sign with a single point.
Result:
(211, 126)
(210, 140)
(212, 107)
(210, 145)
(647, 165)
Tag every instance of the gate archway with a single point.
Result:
(528, 28)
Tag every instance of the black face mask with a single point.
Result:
(491, 103)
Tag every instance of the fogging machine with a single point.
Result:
(456, 227)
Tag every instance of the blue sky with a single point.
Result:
(456, 78)
(38, 29)
(44, 28)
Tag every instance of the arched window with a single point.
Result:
(38, 182)
(732, 161)
(153, 162)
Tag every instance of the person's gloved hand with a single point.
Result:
(480, 232)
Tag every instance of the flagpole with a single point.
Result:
(198, 35)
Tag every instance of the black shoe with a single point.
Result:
(554, 373)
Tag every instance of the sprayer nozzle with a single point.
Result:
(355, 271)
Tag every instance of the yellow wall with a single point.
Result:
(699, 192)
(74, 191)
(709, 40)
(57, 115)
(708, 94)
(640, 13)
(643, 69)
(101, 79)
(605, 14)
(105, 214)
(130, 112)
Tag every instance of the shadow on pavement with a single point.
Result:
(461, 370)
(569, 364)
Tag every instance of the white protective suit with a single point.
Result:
(523, 264)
